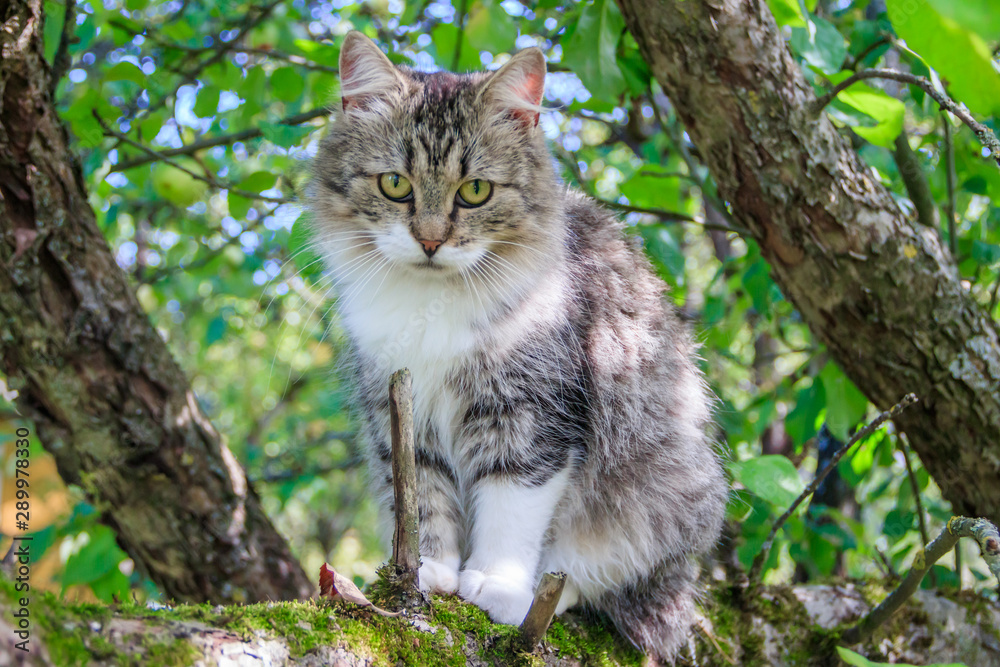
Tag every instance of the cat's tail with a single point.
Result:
(656, 612)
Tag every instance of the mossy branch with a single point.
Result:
(981, 530)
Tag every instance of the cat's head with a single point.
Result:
(435, 174)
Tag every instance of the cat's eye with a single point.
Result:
(474, 193)
(395, 187)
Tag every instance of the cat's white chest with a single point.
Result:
(423, 326)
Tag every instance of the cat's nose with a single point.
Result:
(430, 247)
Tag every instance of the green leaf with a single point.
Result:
(979, 16)
(591, 51)
(94, 559)
(259, 181)
(887, 111)
(287, 84)
(125, 71)
(987, 254)
(650, 187)
(491, 28)
(662, 247)
(855, 660)
(772, 477)
(787, 12)
(207, 102)
(300, 245)
(820, 44)
(801, 421)
(961, 57)
(285, 136)
(238, 206)
(845, 404)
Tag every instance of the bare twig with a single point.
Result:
(61, 61)
(543, 607)
(881, 41)
(949, 158)
(981, 530)
(765, 550)
(223, 140)
(205, 178)
(406, 539)
(983, 133)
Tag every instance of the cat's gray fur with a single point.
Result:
(560, 415)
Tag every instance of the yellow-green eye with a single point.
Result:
(474, 192)
(395, 187)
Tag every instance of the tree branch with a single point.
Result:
(949, 158)
(981, 530)
(460, 23)
(205, 178)
(211, 142)
(543, 608)
(61, 62)
(758, 562)
(984, 134)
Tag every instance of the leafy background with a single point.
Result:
(195, 122)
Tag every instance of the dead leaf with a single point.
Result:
(336, 586)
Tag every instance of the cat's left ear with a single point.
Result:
(519, 85)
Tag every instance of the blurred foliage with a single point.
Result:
(195, 121)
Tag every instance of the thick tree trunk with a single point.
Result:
(107, 399)
(880, 292)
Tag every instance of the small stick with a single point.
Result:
(981, 530)
(925, 537)
(543, 607)
(765, 550)
(406, 539)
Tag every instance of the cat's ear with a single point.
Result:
(518, 86)
(365, 72)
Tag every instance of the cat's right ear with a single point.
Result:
(366, 74)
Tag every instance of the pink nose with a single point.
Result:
(430, 247)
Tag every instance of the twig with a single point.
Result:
(981, 530)
(460, 23)
(983, 133)
(61, 61)
(915, 488)
(949, 158)
(211, 142)
(915, 182)
(765, 550)
(406, 539)
(205, 178)
(166, 271)
(868, 49)
(543, 607)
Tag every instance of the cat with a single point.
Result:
(560, 416)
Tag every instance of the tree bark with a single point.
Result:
(108, 401)
(883, 294)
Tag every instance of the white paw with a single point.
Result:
(438, 577)
(505, 600)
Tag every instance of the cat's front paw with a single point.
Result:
(506, 601)
(437, 576)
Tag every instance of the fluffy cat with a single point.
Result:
(560, 417)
